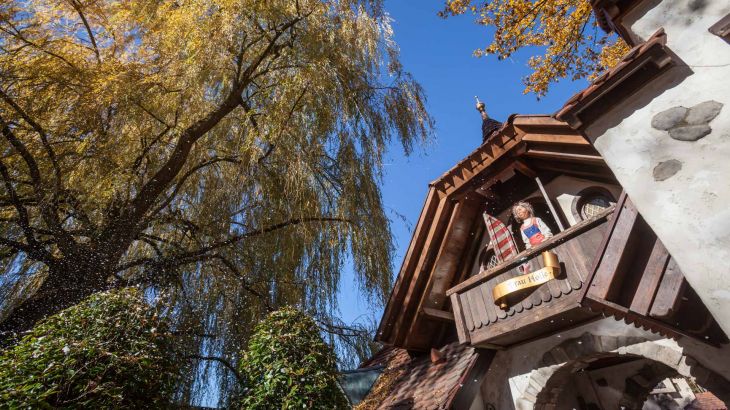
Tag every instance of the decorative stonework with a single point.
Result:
(687, 124)
(666, 169)
(557, 365)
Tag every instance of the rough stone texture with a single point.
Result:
(690, 132)
(666, 169)
(703, 113)
(670, 118)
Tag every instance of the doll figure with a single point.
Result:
(533, 229)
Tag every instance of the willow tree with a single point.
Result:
(224, 153)
(571, 42)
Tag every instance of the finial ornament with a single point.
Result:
(480, 105)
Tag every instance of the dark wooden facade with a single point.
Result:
(612, 264)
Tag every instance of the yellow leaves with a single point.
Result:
(573, 45)
(611, 55)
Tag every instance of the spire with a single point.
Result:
(488, 125)
(482, 108)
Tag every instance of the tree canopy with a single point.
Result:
(224, 153)
(574, 46)
(110, 351)
(287, 365)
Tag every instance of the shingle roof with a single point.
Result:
(489, 125)
(417, 383)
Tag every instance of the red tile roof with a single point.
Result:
(706, 401)
(417, 383)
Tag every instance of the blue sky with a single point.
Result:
(438, 52)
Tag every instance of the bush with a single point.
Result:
(109, 351)
(288, 365)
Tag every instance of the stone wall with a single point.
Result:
(669, 144)
(529, 376)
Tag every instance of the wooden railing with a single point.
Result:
(480, 322)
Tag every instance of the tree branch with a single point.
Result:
(23, 219)
(77, 7)
(41, 132)
(187, 175)
(194, 256)
(222, 361)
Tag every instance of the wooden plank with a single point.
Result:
(608, 233)
(561, 156)
(495, 149)
(468, 319)
(668, 297)
(556, 139)
(598, 172)
(650, 279)
(434, 238)
(605, 280)
(444, 267)
(489, 303)
(439, 315)
(573, 262)
(479, 308)
(459, 319)
(473, 309)
(525, 169)
(431, 208)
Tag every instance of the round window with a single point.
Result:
(593, 205)
(591, 202)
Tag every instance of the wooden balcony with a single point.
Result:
(543, 309)
(611, 265)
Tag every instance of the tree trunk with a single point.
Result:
(61, 289)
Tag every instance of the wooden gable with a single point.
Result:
(443, 243)
(611, 263)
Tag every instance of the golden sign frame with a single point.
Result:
(503, 290)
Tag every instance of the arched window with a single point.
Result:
(591, 202)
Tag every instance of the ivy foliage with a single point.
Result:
(109, 351)
(288, 365)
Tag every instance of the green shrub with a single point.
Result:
(109, 351)
(288, 365)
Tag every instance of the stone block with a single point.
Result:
(668, 356)
(609, 343)
(666, 169)
(690, 132)
(683, 367)
(635, 349)
(669, 119)
(703, 113)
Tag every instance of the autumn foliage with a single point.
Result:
(574, 46)
(228, 152)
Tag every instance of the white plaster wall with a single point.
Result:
(510, 372)
(689, 211)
